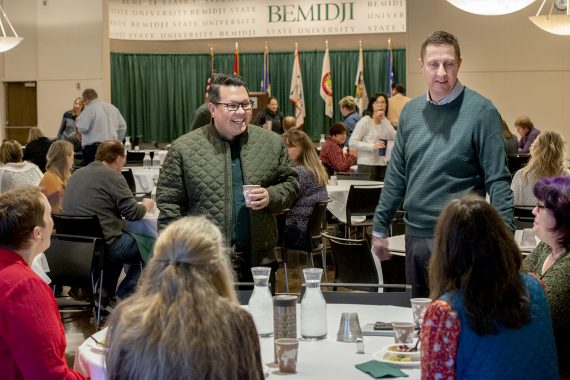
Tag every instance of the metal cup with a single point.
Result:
(349, 328)
(382, 151)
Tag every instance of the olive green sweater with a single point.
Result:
(443, 152)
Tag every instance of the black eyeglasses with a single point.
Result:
(235, 106)
(539, 206)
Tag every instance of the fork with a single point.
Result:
(96, 341)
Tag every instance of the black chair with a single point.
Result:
(397, 225)
(314, 242)
(130, 178)
(329, 170)
(72, 262)
(353, 176)
(353, 262)
(523, 217)
(362, 201)
(135, 158)
(395, 298)
(517, 161)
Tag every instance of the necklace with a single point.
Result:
(558, 254)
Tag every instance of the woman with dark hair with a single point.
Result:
(528, 133)
(270, 114)
(488, 320)
(32, 343)
(37, 148)
(184, 320)
(550, 259)
(366, 138)
(332, 155)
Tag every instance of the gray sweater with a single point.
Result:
(99, 190)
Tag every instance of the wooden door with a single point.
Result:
(21, 110)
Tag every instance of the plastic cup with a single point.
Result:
(528, 239)
(403, 332)
(333, 180)
(287, 351)
(349, 329)
(419, 308)
(246, 190)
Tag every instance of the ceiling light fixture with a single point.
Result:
(554, 23)
(490, 7)
(8, 42)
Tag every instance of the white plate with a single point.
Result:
(381, 354)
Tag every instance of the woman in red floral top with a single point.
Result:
(332, 156)
(488, 320)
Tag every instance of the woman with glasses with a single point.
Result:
(370, 138)
(488, 320)
(550, 260)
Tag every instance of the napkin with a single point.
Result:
(378, 369)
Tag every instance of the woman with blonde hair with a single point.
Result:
(184, 321)
(312, 178)
(67, 129)
(58, 170)
(546, 160)
(13, 171)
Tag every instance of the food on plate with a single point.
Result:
(398, 358)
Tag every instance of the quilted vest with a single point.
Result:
(525, 353)
(198, 169)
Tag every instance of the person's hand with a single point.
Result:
(259, 198)
(379, 145)
(353, 151)
(380, 248)
(148, 203)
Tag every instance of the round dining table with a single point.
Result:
(323, 359)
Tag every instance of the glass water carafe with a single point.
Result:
(322, 141)
(313, 306)
(261, 301)
(127, 144)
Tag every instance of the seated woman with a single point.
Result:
(488, 320)
(366, 138)
(59, 163)
(546, 160)
(184, 321)
(332, 156)
(312, 186)
(33, 339)
(511, 143)
(528, 133)
(13, 172)
(550, 259)
(37, 148)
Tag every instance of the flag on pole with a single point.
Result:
(326, 83)
(390, 71)
(296, 95)
(211, 76)
(265, 84)
(236, 60)
(361, 95)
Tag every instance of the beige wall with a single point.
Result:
(62, 50)
(522, 69)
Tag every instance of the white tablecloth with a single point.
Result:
(144, 177)
(397, 244)
(326, 359)
(339, 195)
(146, 226)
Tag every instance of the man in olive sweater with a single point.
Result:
(447, 145)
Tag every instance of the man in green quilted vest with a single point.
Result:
(449, 143)
(205, 170)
